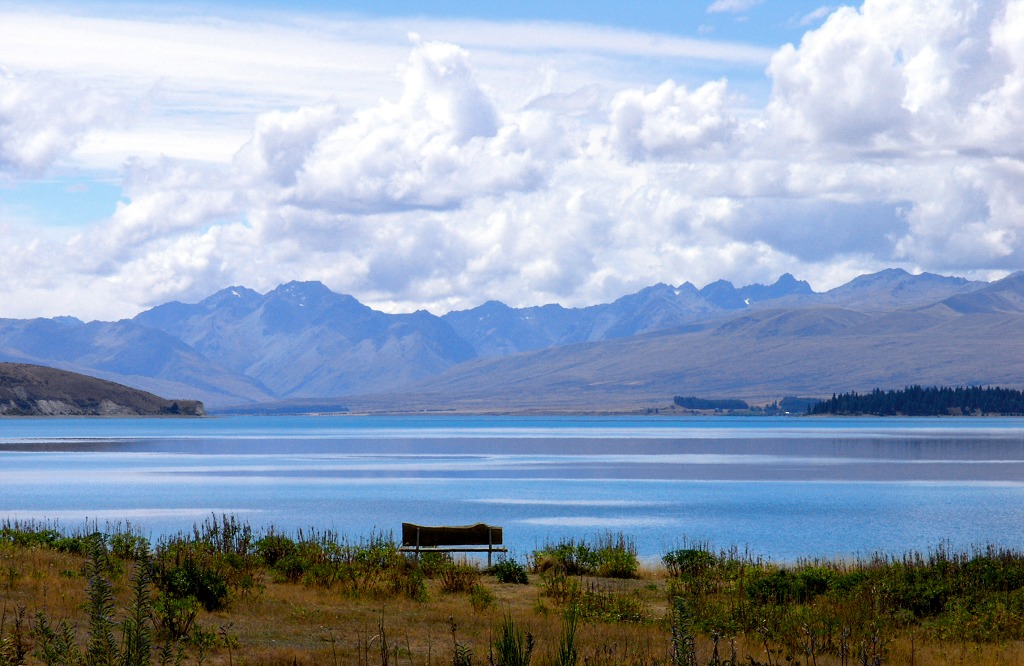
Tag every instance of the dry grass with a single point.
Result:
(291, 623)
(282, 623)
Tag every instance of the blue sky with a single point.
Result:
(765, 22)
(437, 155)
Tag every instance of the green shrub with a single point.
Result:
(128, 546)
(612, 556)
(480, 597)
(29, 535)
(598, 603)
(72, 545)
(193, 578)
(273, 548)
(691, 562)
(562, 588)
(776, 587)
(510, 571)
(413, 585)
(568, 556)
(174, 617)
(433, 564)
(616, 557)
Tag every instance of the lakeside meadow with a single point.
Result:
(225, 593)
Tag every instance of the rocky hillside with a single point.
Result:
(35, 390)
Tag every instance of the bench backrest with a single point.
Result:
(426, 536)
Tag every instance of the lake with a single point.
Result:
(785, 488)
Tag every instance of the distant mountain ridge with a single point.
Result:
(302, 339)
(303, 342)
(494, 329)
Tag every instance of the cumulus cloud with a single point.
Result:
(904, 76)
(842, 85)
(440, 143)
(892, 135)
(42, 121)
(929, 93)
(671, 122)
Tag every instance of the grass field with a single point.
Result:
(222, 594)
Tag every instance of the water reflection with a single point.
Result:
(785, 488)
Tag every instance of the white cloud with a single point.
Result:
(733, 6)
(893, 136)
(671, 122)
(815, 16)
(208, 79)
(934, 91)
(42, 121)
(921, 76)
(442, 142)
(841, 85)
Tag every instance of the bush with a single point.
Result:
(560, 587)
(72, 545)
(128, 546)
(613, 556)
(592, 601)
(691, 562)
(480, 597)
(188, 569)
(616, 557)
(194, 579)
(459, 578)
(510, 571)
(29, 535)
(273, 548)
(574, 559)
(413, 585)
(433, 564)
(174, 617)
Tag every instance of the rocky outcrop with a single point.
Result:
(35, 390)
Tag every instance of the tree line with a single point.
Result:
(925, 401)
(693, 402)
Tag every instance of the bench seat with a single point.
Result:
(479, 538)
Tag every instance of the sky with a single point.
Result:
(438, 155)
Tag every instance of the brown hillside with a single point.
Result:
(35, 390)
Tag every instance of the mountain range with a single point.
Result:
(303, 346)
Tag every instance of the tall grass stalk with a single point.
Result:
(101, 648)
(13, 644)
(684, 651)
(55, 646)
(137, 628)
(514, 647)
(567, 653)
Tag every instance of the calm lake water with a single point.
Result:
(783, 487)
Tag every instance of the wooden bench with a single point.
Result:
(479, 538)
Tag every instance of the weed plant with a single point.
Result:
(610, 555)
(459, 578)
(590, 600)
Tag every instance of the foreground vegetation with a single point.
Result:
(223, 594)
